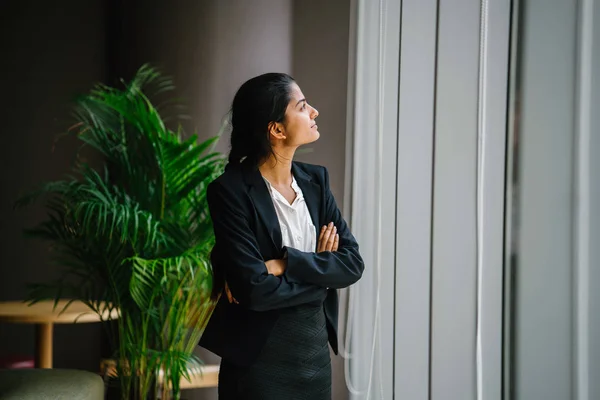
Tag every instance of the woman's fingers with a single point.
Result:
(320, 241)
(331, 239)
(336, 242)
(323, 242)
(229, 295)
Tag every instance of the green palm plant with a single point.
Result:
(135, 235)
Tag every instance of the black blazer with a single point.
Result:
(247, 234)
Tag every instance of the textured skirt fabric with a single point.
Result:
(294, 364)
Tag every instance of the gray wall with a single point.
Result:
(320, 65)
(556, 327)
(49, 55)
(594, 278)
(545, 273)
(210, 48)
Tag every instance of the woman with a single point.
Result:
(279, 273)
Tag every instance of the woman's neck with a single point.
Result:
(277, 170)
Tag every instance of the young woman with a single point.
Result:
(282, 249)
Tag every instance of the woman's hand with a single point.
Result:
(229, 295)
(276, 267)
(329, 239)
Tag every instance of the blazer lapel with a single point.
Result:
(263, 203)
(312, 195)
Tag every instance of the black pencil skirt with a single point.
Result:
(294, 364)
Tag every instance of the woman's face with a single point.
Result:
(299, 127)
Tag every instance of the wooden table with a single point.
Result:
(44, 316)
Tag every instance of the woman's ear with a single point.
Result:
(276, 130)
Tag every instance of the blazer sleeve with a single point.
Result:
(338, 269)
(239, 256)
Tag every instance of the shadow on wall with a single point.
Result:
(50, 54)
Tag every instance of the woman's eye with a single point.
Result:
(304, 106)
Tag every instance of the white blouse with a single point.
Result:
(297, 229)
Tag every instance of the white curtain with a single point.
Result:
(427, 111)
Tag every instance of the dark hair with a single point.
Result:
(258, 102)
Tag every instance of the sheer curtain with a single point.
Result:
(425, 196)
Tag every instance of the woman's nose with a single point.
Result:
(315, 113)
